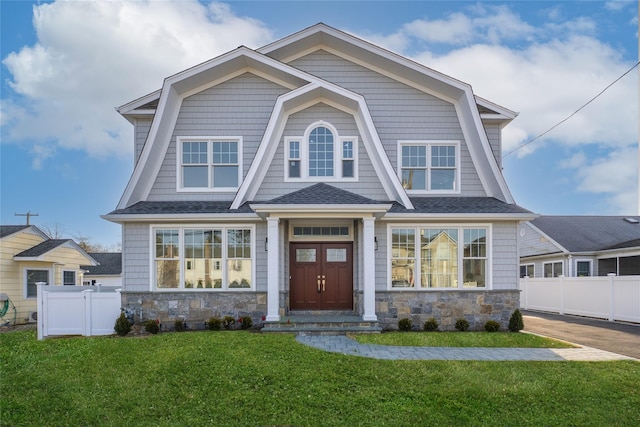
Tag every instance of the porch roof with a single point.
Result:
(460, 205)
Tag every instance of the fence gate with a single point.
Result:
(77, 310)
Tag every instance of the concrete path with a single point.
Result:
(616, 337)
(345, 345)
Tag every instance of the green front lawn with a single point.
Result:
(249, 379)
(461, 339)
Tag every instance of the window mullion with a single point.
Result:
(417, 251)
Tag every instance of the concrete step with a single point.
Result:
(322, 324)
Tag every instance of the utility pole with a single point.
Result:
(28, 215)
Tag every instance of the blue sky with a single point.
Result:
(67, 155)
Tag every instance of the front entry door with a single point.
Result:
(321, 276)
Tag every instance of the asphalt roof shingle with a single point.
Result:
(590, 233)
(324, 194)
(459, 205)
(6, 230)
(110, 263)
(42, 248)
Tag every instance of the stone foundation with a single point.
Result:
(193, 308)
(446, 307)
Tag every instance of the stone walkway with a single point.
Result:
(345, 345)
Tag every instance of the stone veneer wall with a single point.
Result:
(193, 307)
(446, 307)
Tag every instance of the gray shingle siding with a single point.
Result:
(368, 183)
(399, 112)
(238, 107)
(505, 255)
(136, 262)
(495, 139)
(141, 131)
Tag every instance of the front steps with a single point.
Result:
(322, 323)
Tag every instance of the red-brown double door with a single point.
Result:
(321, 276)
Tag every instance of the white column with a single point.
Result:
(273, 270)
(369, 267)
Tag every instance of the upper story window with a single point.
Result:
(429, 166)
(321, 155)
(209, 164)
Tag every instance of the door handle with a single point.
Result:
(323, 282)
(319, 288)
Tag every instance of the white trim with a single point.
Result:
(532, 264)
(590, 261)
(427, 143)
(214, 217)
(210, 140)
(273, 269)
(552, 262)
(460, 255)
(304, 155)
(181, 228)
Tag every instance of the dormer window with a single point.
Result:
(429, 166)
(321, 155)
(209, 164)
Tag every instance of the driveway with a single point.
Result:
(621, 338)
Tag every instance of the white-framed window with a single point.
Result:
(32, 276)
(321, 154)
(429, 166)
(439, 256)
(202, 258)
(584, 268)
(209, 163)
(68, 277)
(527, 270)
(553, 269)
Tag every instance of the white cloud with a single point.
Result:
(93, 56)
(615, 178)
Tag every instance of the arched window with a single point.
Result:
(321, 152)
(321, 155)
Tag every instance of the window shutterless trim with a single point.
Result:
(460, 255)
(224, 261)
(24, 279)
(428, 168)
(210, 164)
(303, 156)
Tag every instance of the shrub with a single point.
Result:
(179, 325)
(405, 324)
(228, 322)
(462, 324)
(431, 325)
(515, 322)
(245, 322)
(122, 326)
(492, 326)
(214, 323)
(152, 326)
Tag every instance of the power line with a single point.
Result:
(572, 114)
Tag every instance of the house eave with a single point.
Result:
(207, 217)
(462, 216)
(307, 210)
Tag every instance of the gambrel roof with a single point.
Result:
(305, 90)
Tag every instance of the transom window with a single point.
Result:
(209, 164)
(321, 155)
(438, 257)
(429, 166)
(203, 258)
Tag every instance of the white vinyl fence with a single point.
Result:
(77, 310)
(612, 297)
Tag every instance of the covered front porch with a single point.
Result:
(321, 256)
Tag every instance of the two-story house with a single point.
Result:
(319, 173)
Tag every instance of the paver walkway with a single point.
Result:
(345, 345)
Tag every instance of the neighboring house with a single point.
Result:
(320, 172)
(27, 257)
(108, 272)
(575, 246)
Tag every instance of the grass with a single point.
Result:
(461, 339)
(248, 379)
